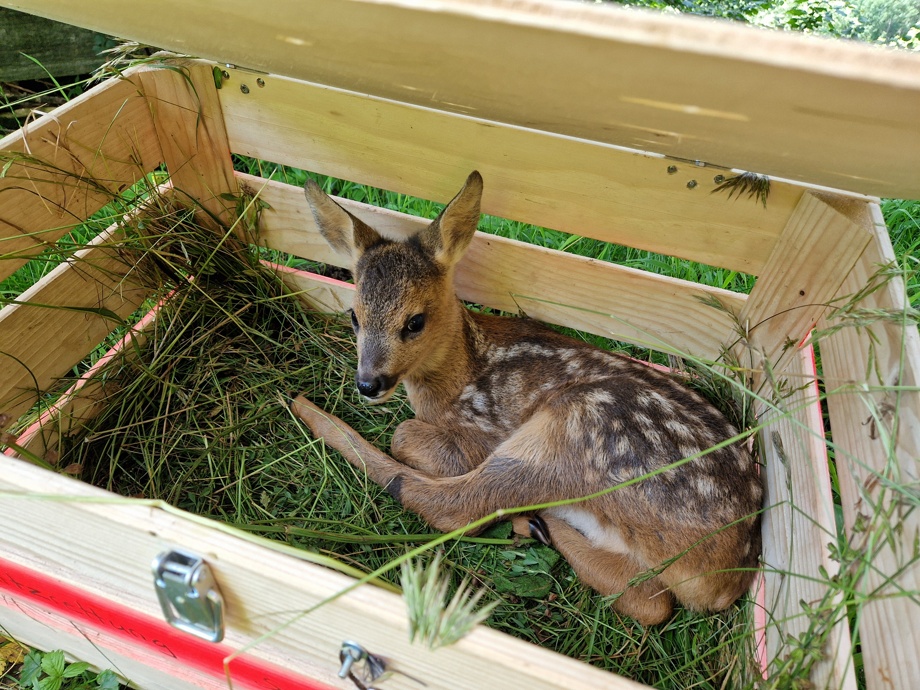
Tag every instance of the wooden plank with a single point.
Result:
(799, 107)
(190, 126)
(872, 379)
(37, 628)
(639, 307)
(267, 591)
(567, 184)
(59, 49)
(85, 399)
(798, 525)
(42, 341)
(68, 164)
(824, 238)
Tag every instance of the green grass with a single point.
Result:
(201, 421)
(231, 344)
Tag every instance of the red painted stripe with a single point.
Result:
(152, 634)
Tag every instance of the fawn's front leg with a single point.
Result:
(380, 467)
(439, 452)
(512, 476)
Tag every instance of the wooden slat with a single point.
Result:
(551, 181)
(70, 536)
(40, 342)
(189, 123)
(635, 306)
(798, 525)
(85, 399)
(872, 379)
(35, 627)
(56, 48)
(826, 112)
(824, 238)
(77, 159)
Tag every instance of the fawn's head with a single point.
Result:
(405, 314)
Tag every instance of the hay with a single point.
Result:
(200, 419)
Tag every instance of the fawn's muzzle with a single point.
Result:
(376, 387)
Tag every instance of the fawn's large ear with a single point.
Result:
(450, 233)
(346, 234)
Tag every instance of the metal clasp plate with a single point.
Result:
(188, 594)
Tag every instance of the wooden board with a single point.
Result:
(824, 238)
(872, 380)
(266, 590)
(44, 630)
(40, 342)
(59, 49)
(190, 127)
(798, 525)
(567, 184)
(85, 399)
(635, 306)
(820, 111)
(69, 164)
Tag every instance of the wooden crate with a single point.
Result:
(61, 50)
(597, 121)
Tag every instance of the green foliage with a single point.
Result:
(887, 22)
(50, 671)
(435, 619)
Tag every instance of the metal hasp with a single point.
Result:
(189, 595)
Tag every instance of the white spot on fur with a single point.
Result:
(599, 397)
(643, 420)
(678, 428)
(706, 487)
(688, 451)
(665, 404)
(607, 538)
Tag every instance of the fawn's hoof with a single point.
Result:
(539, 530)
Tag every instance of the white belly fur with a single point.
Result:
(607, 538)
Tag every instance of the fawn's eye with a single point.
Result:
(354, 320)
(414, 324)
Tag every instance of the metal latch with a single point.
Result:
(372, 669)
(188, 594)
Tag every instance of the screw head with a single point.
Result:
(244, 88)
(719, 179)
(225, 74)
(260, 82)
(672, 169)
(691, 184)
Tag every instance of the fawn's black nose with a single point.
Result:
(371, 388)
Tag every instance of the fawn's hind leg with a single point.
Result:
(649, 602)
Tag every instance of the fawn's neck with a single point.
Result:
(450, 367)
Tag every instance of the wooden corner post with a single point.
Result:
(823, 239)
(190, 125)
(871, 378)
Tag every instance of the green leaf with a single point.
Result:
(31, 668)
(76, 669)
(53, 663)
(107, 680)
(51, 683)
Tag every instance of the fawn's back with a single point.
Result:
(510, 413)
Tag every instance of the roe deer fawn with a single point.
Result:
(510, 413)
